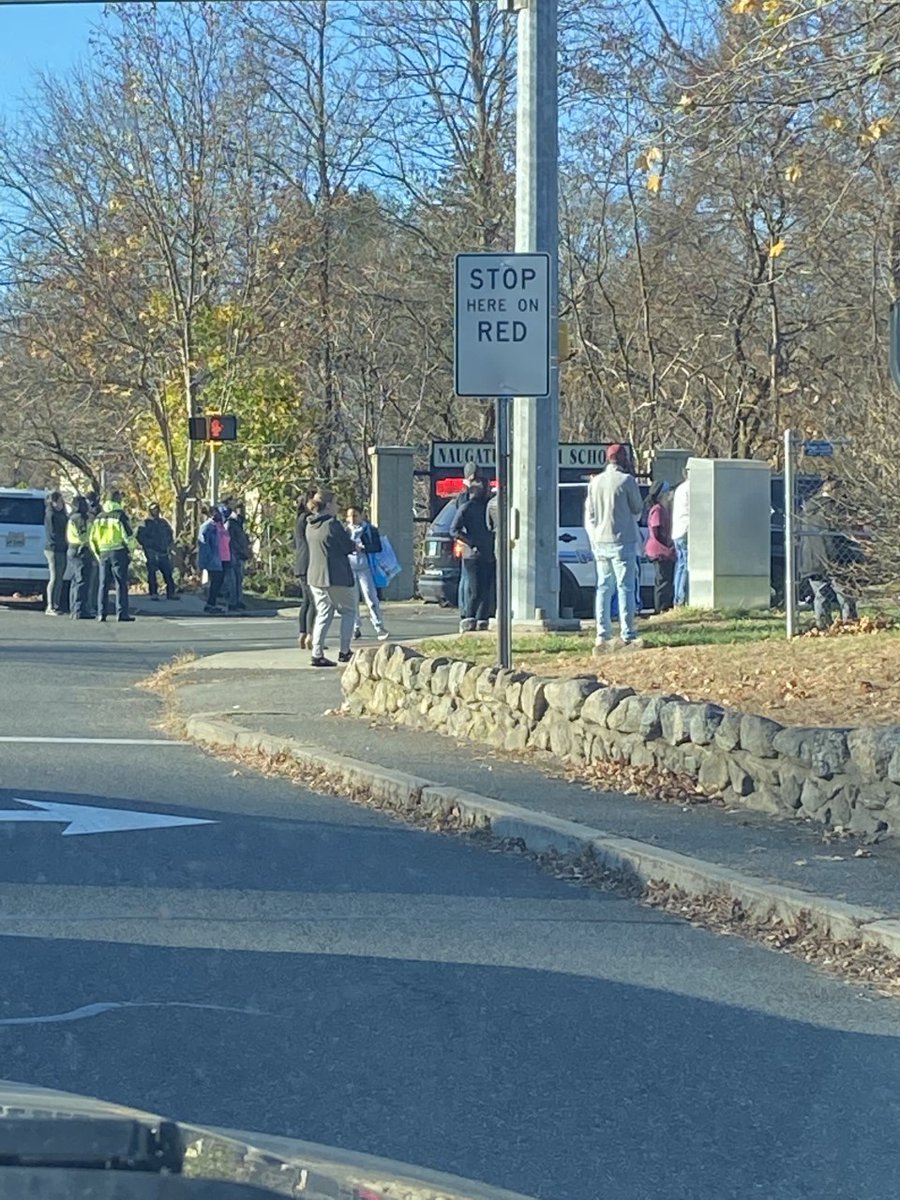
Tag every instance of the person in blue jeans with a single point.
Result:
(612, 509)
(680, 517)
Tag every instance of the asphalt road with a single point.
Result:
(306, 967)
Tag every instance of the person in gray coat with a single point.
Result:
(330, 576)
(613, 506)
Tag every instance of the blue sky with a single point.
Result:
(40, 37)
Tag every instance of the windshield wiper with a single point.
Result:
(110, 1144)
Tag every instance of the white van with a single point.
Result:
(23, 567)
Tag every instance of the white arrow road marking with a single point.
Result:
(82, 818)
(96, 1010)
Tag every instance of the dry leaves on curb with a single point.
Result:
(870, 965)
(610, 776)
(854, 960)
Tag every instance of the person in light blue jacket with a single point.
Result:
(209, 558)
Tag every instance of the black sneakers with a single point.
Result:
(322, 662)
(344, 656)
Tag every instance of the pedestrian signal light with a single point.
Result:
(222, 427)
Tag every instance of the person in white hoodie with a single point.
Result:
(613, 506)
(366, 541)
(680, 521)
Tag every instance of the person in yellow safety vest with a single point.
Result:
(81, 558)
(112, 540)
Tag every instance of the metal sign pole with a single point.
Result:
(790, 536)
(894, 343)
(502, 544)
(213, 473)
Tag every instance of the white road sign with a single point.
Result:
(502, 325)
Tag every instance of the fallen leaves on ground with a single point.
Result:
(849, 675)
(869, 624)
(609, 776)
(854, 960)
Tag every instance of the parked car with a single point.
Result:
(439, 579)
(23, 567)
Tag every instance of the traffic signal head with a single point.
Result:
(222, 427)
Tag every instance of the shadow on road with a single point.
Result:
(553, 1085)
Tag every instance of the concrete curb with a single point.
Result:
(541, 832)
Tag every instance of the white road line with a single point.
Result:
(86, 741)
(96, 1010)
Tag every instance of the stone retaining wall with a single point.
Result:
(846, 777)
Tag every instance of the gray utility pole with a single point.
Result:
(790, 533)
(213, 472)
(535, 423)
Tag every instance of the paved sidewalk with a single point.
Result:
(276, 692)
(190, 604)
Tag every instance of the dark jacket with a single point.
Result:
(155, 535)
(301, 546)
(330, 546)
(55, 523)
(240, 543)
(470, 526)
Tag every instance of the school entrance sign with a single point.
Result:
(502, 325)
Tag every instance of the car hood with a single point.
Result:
(280, 1165)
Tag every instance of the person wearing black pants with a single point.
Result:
(156, 539)
(209, 558)
(56, 549)
(480, 586)
(81, 559)
(301, 568)
(470, 526)
(111, 540)
(660, 549)
(114, 571)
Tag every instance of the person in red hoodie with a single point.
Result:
(660, 548)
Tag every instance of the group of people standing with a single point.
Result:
(89, 550)
(613, 511)
(335, 563)
(828, 557)
(223, 551)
